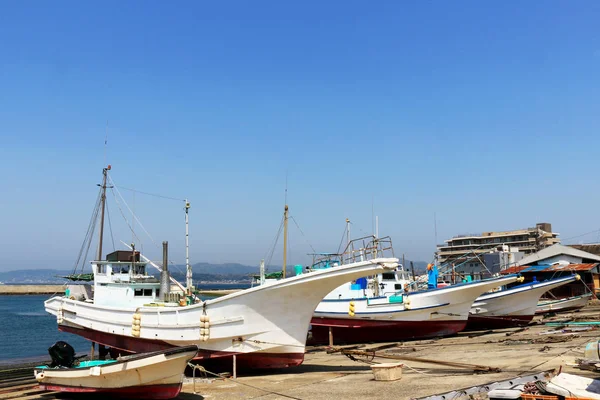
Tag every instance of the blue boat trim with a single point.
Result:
(384, 312)
(533, 286)
(546, 281)
(353, 299)
(461, 284)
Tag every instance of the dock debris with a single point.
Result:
(525, 384)
(370, 355)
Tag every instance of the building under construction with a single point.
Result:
(492, 251)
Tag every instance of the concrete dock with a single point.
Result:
(334, 376)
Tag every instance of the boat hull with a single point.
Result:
(477, 323)
(138, 392)
(380, 331)
(219, 360)
(265, 326)
(562, 305)
(432, 313)
(511, 307)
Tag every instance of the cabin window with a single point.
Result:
(138, 292)
(139, 270)
(398, 286)
(125, 269)
(157, 293)
(147, 292)
(390, 276)
(101, 268)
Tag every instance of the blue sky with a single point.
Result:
(486, 113)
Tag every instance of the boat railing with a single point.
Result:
(361, 249)
(367, 248)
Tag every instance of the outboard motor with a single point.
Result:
(62, 354)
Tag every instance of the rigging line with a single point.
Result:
(339, 249)
(363, 232)
(304, 236)
(87, 238)
(112, 238)
(274, 242)
(270, 256)
(89, 230)
(151, 194)
(89, 245)
(584, 234)
(91, 235)
(123, 215)
(137, 219)
(133, 214)
(248, 385)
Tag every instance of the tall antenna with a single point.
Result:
(188, 268)
(133, 219)
(285, 228)
(435, 227)
(435, 236)
(347, 233)
(373, 214)
(286, 186)
(105, 141)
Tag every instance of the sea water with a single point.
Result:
(27, 330)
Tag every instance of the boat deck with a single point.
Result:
(333, 376)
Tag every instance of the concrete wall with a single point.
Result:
(31, 289)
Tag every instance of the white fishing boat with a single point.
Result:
(264, 326)
(565, 304)
(379, 309)
(157, 375)
(511, 307)
(430, 313)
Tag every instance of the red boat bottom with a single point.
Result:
(134, 392)
(214, 361)
(481, 322)
(363, 331)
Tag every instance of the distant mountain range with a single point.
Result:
(229, 272)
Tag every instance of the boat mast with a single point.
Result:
(285, 226)
(102, 206)
(188, 276)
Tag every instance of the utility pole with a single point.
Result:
(188, 267)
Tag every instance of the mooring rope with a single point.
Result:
(204, 370)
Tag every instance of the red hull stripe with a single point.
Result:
(481, 322)
(217, 360)
(362, 331)
(133, 392)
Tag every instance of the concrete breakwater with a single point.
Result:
(31, 289)
(60, 289)
(216, 292)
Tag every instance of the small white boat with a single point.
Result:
(565, 304)
(157, 375)
(511, 307)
